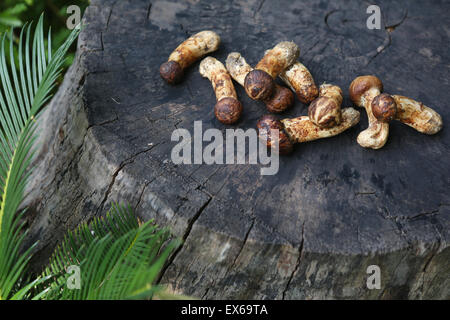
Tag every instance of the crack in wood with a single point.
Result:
(204, 295)
(364, 193)
(428, 213)
(383, 292)
(142, 193)
(396, 221)
(387, 42)
(184, 238)
(149, 9)
(423, 214)
(62, 173)
(297, 265)
(110, 14)
(101, 41)
(392, 27)
(426, 266)
(106, 122)
(122, 165)
(242, 246)
(261, 3)
(389, 30)
(327, 15)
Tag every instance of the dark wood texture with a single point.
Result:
(333, 209)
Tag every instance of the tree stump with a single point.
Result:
(309, 231)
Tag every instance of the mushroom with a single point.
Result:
(300, 80)
(381, 108)
(228, 109)
(325, 111)
(413, 113)
(281, 98)
(363, 90)
(301, 129)
(259, 83)
(187, 53)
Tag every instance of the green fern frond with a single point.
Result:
(117, 258)
(24, 90)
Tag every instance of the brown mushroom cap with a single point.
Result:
(228, 110)
(384, 107)
(325, 112)
(268, 122)
(281, 99)
(362, 84)
(171, 71)
(259, 85)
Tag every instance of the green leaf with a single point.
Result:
(118, 258)
(18, 8)
(25, 88)
(10, 16)
(19, 295)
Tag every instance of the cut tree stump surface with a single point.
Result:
(309, 231)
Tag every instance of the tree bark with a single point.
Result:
(309, 231)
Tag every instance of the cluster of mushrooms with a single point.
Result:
(325, 116)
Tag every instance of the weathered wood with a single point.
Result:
(308, 232)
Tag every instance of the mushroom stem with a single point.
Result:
(376, 135)
(362, 92)
(302, 129)
(227, 109)
(300, 80)
(367, 99)
(216, 72)
(238, 67)
(276, 60)
(195, 47)
(418, 116)
(187, 53)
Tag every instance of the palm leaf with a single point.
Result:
(117, 257)
(10, 17)
(25, 89)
